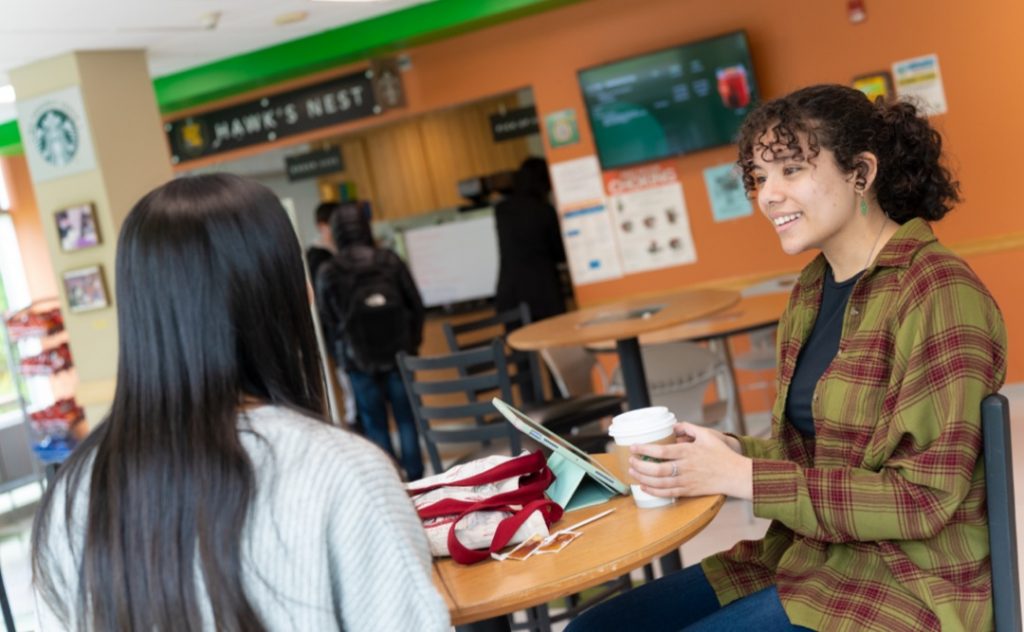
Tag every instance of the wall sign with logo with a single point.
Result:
(313, 164)
(515, 123)
(56, 135)
(387, 83)
(336, 101)
(562, 128)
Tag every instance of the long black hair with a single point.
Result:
(212, 310)
(912, 180)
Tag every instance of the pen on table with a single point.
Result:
(585, 522)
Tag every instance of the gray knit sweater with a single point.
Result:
(332, 541)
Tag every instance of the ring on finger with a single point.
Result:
(675, 469)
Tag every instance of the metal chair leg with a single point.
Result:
(5, 606)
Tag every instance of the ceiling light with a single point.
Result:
(291, 17)
(209, 20)
(7, 94)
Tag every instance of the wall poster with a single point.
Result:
(650, 218)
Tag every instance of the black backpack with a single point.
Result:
(377, 322)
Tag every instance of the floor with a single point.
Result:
(735, 522)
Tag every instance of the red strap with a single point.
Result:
(519, 466)
(530, 488)
(551, 512)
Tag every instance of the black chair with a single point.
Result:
(563, 415)
(452, 386)
(1002, 528)
(5, 607)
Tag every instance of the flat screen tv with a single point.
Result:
(670, 102)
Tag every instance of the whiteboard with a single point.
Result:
(453, 262)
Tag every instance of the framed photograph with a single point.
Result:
(875, 84)
(77, 227)
(86, 289)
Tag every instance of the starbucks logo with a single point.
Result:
(56, 136)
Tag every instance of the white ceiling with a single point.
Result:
(170, 30)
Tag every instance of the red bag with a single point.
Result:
(504, 491)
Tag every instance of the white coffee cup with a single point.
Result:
(642, 426)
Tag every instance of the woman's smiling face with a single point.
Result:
(810, 202)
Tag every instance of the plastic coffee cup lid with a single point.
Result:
(641, 421)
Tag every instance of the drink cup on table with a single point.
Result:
(642, 426)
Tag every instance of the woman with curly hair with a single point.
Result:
(873, 476)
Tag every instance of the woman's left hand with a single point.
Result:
(701, 463)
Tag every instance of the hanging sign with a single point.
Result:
(313, 164)
(277, 116)
(515, 123)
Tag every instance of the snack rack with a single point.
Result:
(45, 380)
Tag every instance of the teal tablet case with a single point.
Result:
(573, 487)
(579, 480)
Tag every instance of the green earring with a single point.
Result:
(863, 206)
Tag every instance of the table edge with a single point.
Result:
(592, 578)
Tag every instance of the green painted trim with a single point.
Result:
(10, 139)
(414, 26)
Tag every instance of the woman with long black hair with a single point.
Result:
(213, 495)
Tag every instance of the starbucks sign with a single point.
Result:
(56, 135)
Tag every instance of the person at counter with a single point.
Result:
(215, 495)
(873, 476)
(529, 245)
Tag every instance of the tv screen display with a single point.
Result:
(669, 102)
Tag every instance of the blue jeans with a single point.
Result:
(685, 601)
(372, 393)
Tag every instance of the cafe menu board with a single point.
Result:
(590, 247)
(650, 219)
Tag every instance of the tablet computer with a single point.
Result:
(560, 446)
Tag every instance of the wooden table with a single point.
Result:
(748, 314)
(624, 322)
(608, 548)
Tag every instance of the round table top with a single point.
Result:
(609, 547)
(752, 312)
(623, 319)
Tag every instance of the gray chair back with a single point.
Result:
(1002, 528)
(437, 422)
(475, 333)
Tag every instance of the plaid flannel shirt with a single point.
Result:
(878, 521)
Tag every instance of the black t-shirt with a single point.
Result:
(818, 352)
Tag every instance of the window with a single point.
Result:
(13, 293)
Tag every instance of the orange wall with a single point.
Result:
(799, 43)
(29, 228)
(793, 44)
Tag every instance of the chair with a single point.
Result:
(454, 384)
(564, 414)
(678, 376)
(5, 607)
(1002, 528)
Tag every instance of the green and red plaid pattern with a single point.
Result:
(879, 522)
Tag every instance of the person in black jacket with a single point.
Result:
(530, 245)
(371, 309)
(322, 251)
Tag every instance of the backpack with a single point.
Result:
(377, 322)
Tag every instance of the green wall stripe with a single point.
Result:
(409, 27)
(414, 26)
(10, 139)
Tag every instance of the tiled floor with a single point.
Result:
(734, 522)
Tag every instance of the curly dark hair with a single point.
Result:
(911, 180)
